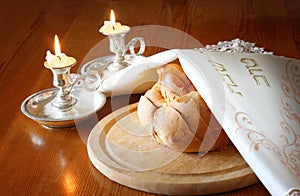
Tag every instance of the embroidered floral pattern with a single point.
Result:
(291, 87)
(293, 192)
(288, 151)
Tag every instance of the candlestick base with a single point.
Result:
(41, 107)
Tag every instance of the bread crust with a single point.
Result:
(179, 117)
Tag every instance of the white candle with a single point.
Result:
(112, 27)
(59, 59)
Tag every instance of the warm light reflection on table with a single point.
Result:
(69, 182)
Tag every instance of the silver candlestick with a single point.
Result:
(117, 46)
(108, 65)
(73, 100)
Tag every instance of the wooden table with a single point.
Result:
(39, 161)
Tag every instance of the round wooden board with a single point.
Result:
(124, 151)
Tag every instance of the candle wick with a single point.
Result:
(59, 57)
(114, 27)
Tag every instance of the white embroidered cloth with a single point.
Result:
(256, 99)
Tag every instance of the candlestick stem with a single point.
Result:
(61, 80)
(117, 46)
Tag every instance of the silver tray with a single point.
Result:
(39, 107)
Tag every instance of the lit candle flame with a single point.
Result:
(56, 45)
(112, 27)
(112, 19)
(58, 59)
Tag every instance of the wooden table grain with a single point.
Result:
(39, 161)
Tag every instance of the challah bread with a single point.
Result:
(177, 114)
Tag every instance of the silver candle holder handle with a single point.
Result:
(131, 46)
(74, 99)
